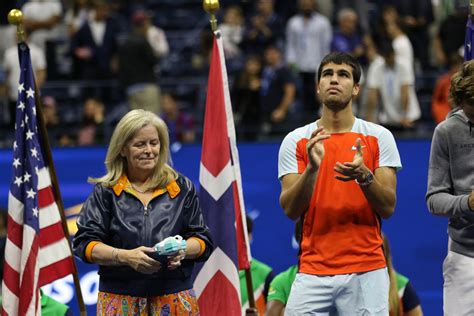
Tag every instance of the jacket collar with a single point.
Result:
(123, 183)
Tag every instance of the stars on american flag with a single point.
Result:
(29, 135)
(18, 181)
(28, 157)
(34, 152)
(26, 177)
(30, 93)
(16, 162)
(31, 193)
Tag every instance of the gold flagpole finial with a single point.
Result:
(211, 6)
(15, 17)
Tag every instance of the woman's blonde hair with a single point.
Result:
(125, 130)
(461, 91)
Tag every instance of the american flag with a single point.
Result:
(37, 250)
(217, 284)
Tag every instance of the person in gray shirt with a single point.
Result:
(451, 191)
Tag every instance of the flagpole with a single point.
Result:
(211, 7)
(15, 17)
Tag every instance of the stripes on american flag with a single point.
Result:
(217, 284)
(37, 250)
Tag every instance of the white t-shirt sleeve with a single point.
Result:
(389, 156)
(287, 156)
(374, 75)
(405, 74)
(38, 59)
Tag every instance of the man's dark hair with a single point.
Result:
(385, 48)
(339, 59)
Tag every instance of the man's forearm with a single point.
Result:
(295, 200)
(445, 204)
(381, 198)
(381, 193)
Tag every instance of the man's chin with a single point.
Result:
(336, 105)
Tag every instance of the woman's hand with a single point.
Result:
(174, 261)
(139, 259)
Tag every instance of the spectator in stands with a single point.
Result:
(346, 38)
(416, 17)
(262, 275)
(156, 37)
(137, 62)
(77, 15)
(51, 120)
(232, 30)
(12, 72)
(400, 41)
(450, 36)
(277, 91)
(440, 106)
(246, 99)
(50, 112)
(41, 18)
(180, 124)
(7, 31)
(265, 27)
(451, 193)
(91, 131)
(94, 45)
(403, 299)
(308, 40)
(361, 8)
(391, 85)
(202, 57)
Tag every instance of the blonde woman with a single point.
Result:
(140, 201)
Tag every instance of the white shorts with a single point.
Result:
(458, 289)
(345, 294)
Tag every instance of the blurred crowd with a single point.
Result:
(95, 60)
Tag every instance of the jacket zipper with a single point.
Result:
(146, 212)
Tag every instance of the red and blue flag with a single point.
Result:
(217, 283)
(37, 249)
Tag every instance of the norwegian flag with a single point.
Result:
(37, 250)
(217, 283)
